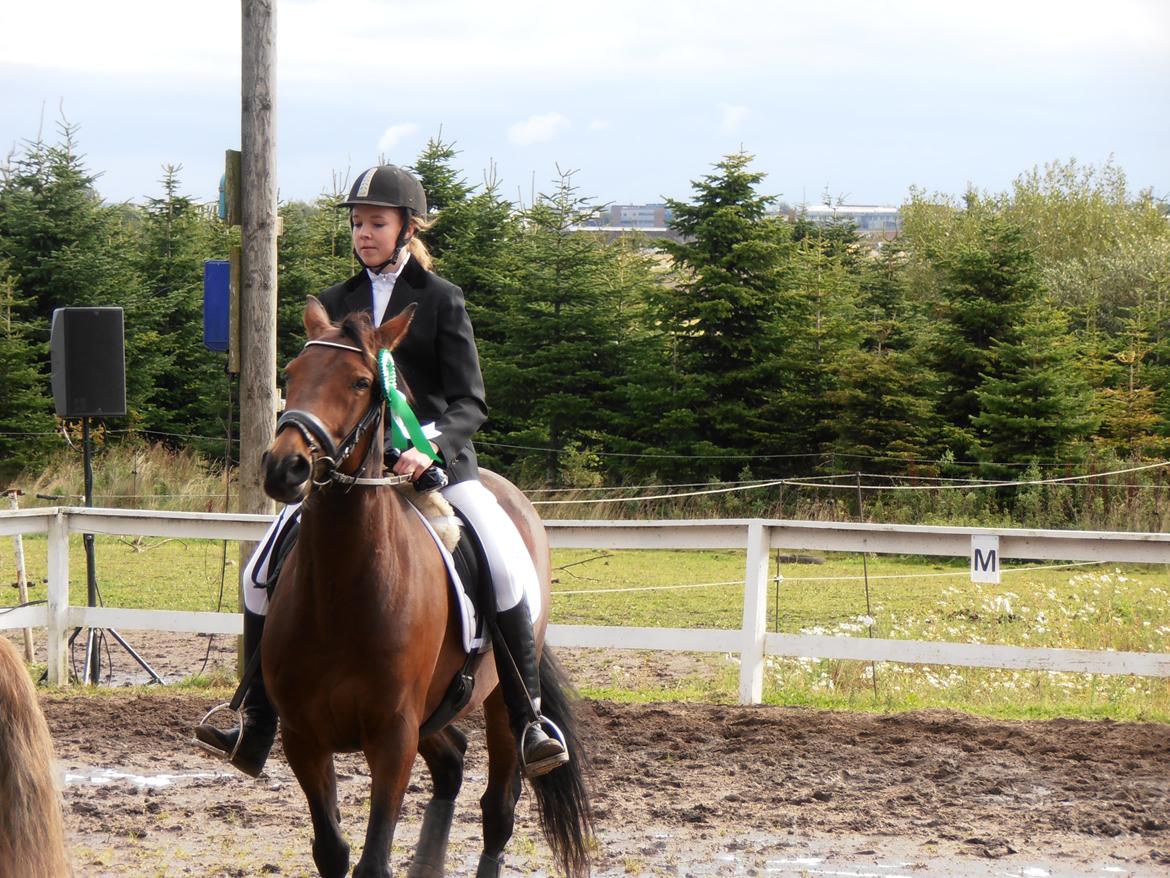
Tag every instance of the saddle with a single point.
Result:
(470, 565)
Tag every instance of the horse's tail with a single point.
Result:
(32, 837)
(561, 795)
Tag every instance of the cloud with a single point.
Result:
(732, 118)
(599, 124)
(537, 129)
(395, 133)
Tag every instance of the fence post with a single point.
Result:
(58, 550)
(755, 614)
(21, 575)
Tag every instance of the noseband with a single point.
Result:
(318, 438)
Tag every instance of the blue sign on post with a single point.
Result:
(217, 292)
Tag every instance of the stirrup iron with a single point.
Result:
(226, 707)
(549, 763)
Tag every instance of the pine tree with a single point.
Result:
(1038, 407)
(66, 248)
(481, 231)
(724, 315)
(882, 390)
(26, 411)
(186, 391)
(445, 189)
(561, 351)
(986, 283)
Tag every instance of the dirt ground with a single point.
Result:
(678, 790)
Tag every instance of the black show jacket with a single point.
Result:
(437, 359)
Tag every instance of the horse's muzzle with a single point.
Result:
(286, 478)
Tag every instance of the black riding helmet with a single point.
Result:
(389, 186)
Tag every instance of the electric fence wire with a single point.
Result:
(939, 484)
(797, 580)
(487, 443)
(807, 482)
(15, 607)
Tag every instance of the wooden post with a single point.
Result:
(21, 575)
(258, 251)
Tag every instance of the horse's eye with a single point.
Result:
(362, 384)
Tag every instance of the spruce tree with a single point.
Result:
(561, 350)
(823, 330)
(1038, 407)
(188, 393)
(882, 391)
(445, 188)
(315, 252)
(26, 409)
(66, 248)
(987, 281)
(481, 231)
(724, 313)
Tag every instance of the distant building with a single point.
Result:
(649, 220)
(871, 220)
(637, 216)
(875, 223)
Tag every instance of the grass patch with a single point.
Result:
(1099, 607)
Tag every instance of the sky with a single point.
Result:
(859, 99)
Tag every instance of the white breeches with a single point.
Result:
(512, 572)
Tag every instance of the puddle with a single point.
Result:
(107, 776)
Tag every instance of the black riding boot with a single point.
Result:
(246, 746)
(539, 753)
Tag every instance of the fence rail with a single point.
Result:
(752, 641)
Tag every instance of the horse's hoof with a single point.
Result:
(332, 863)
(489, 867)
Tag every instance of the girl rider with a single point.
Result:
(440, 364)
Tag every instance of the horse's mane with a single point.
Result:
(358, 329)
(32, 836)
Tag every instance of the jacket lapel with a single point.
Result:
(358, 296)
(407, 289)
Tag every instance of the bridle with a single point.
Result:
(326, 455)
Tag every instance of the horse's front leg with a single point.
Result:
(443, 752)
(390, 756)
(314, 770)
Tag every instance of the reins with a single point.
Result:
(317, 437)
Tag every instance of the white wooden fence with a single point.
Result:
(752, 641)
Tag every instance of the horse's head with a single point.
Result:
(333, 401)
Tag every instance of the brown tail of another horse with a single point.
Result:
(32, 836)
(561, 795)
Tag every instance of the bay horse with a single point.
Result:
(363, 636)
(32, 834)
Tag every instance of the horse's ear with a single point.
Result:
(316, 318)
(390, 333)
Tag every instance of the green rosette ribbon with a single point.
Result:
(404, 427)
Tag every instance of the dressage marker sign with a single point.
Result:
(985, 558)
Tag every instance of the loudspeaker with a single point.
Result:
(88, 358)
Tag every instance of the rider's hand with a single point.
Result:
(413, 462)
